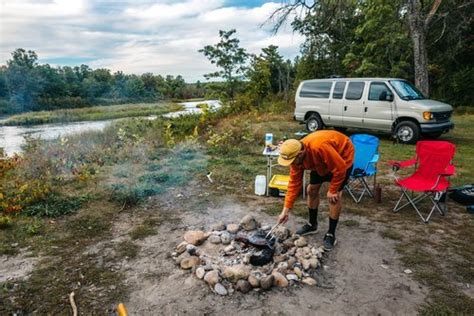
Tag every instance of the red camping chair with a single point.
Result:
(433, 166)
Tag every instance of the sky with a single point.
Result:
(159, 36)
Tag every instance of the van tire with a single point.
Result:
(407, 132)
(314, 123)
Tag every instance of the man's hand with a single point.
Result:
(283, 218)
(333, 197)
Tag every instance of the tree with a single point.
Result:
(419, 22)
(451, 53)
(328, 26)
(229, 57)
(23, 81)
(372, 55)
(260, 78)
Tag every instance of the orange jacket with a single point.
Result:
(326, 151)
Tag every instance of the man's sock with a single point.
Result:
(313, 216)
(332, 226)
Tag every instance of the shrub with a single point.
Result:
(55, 205)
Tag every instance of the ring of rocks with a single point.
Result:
(223, 262)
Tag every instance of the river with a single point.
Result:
(12, 137)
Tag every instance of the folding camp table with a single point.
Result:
(273, 154)
(270, 155)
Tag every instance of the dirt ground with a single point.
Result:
(361, 276)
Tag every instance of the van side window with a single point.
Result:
(378, 91)
(339, 90)
(354, 90)
(316, 90)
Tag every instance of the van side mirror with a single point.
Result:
(384, 96)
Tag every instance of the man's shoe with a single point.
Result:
(329, 242)
(307, 229)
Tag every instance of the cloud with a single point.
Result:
(162, 37)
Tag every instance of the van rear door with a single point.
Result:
(353, 107)
(378, 107)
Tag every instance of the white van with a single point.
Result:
(384, 104)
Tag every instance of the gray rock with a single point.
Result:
(280, 279)
(266, 227)
(301, 242)
(281, 232)
(291, 262)
(280, 258)
(181, 247)
(309, 281)
(292, 277)
(200, 272)
(189, 262)
(279, 249)
(218, 226)
(243, 286)
(191, 249)
(254, 280)
(248, 222)
(214, 239)
(267, 282)
(226, 238)
(298, 272)
(229, 249)
(211, 277)
(282, 266)
(237, 272)
(289, 243)
(220, 289)
(195, 237)
(233, 228)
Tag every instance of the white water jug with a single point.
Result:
(260, 184)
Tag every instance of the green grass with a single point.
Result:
(135, 162)
(91, 113)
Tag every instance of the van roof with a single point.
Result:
(352, 79)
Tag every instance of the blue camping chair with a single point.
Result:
(365, 166)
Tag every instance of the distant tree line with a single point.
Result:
(26, 85)
(427, 42)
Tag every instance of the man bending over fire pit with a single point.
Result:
(329, 155)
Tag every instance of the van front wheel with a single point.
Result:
(407, 132)
(314, 123)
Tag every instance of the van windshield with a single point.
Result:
(406, 91)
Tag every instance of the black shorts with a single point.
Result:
(315, 178)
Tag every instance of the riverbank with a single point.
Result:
(95, 113)
(124, 197)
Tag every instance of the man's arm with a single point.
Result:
(294, 185)
(294, 188)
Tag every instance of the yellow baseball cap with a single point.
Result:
(288, 152)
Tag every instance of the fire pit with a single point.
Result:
(239, 257)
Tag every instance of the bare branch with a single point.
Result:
(432, 12)
(442, 31)
(280, 15)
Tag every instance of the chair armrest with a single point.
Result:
(449, 171)
(396, 165)
(375, 158)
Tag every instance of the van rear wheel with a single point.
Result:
(314, 123)
(407, 132)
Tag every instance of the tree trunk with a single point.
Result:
(418, 36)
